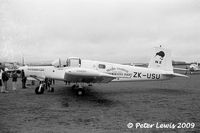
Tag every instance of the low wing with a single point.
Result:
(34, 77)
(87, 76)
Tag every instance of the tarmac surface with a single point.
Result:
(106, 108)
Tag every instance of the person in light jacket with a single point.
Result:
(14, 80)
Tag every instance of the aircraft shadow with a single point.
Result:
(96, 98)
(90, 96)
(150, 91)
(169, 91)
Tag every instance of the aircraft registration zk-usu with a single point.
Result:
(81, 72)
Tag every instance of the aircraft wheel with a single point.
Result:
(80, 92)
(39, 91)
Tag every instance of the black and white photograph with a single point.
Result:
(99, 66)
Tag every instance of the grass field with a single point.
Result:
(106, 108)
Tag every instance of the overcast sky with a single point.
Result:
(107, 30)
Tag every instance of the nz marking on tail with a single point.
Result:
(159, 57)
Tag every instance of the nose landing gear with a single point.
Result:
(42, 86)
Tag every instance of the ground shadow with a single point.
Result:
(155, 90)
(91, 96)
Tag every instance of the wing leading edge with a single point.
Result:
(87, 76)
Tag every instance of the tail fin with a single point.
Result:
(161, 59)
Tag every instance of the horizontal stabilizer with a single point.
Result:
(181, 69)
(176, 75)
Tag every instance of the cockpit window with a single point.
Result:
(73, 62)
(102, 66)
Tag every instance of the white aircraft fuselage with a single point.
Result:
(79, 71)
(88, 67)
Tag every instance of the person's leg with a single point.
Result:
(23, 84)
(5, 85)
(14, 85)
(32, 82)
(2, 89)
(1, 86)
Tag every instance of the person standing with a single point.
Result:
(5, 78)
(1, 84)
(23, 79)
(14, 80)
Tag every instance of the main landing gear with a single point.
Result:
(79, 89)
(40, 89)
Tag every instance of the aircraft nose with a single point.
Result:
(22, 68)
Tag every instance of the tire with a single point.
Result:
(39, 92)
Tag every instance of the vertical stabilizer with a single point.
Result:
(161, 59)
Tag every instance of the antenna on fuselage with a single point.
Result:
(59, 62)
(23, 61)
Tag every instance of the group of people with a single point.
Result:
(4, 77)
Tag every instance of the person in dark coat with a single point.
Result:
(1, 82)
(5, 78)
(23, 79)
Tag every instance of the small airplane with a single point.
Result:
(192, 69)
(81, 72)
